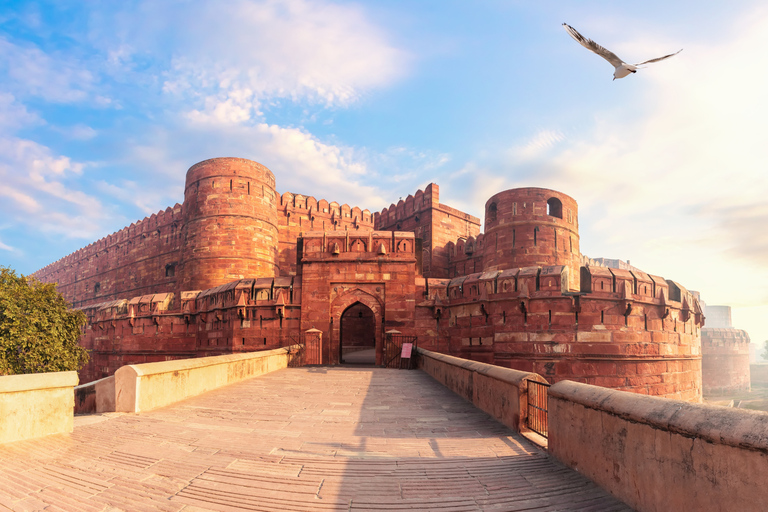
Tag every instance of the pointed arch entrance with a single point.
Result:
(358, 335)
(348, 304)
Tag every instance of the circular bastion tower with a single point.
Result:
(527, 227)
(230, 222)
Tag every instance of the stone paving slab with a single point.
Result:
(336, 439)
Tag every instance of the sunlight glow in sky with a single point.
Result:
(104, 106)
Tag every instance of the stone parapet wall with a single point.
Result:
(140, 259)
(241, 316)
(144, 387)
(501, 392)
(436, 224)
(659, 455)
(96, 396)
(299, 213)
(628, 335)
(36, 405)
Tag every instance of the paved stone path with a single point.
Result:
(348, 439)
(367, 356)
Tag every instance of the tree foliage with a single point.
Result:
(38, 330)
(765, 352)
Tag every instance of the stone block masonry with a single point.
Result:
(238, 268)
(659, 455)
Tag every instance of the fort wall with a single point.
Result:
(532, 227)
(725, 360)
(233, 225)
(434, 223)
(230, 214)
(298, 214)
(624, 336)
(240, 268)
(140, 259)
(241, 316)
(660, 454)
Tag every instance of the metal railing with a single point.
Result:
(393, 347)
(307, 352)
(537, 407)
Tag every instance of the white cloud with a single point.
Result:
(14, 115)
(5, 247)
(77, 132)
(34, 183)
(673, 179)
(536, 146)
(29, 71)
(230, 57)
(301, 162)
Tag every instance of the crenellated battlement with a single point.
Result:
(293, 204)
(420, 201)
(171, 215)
(358, 245)
(240, 267)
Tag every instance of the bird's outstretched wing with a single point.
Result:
(596, 48)
(660, 58)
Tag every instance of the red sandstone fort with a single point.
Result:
(239, 267)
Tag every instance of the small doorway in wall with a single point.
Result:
(358, 335)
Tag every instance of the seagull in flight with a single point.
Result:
(622, 68)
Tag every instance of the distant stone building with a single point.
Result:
(239, 267)
(725, 354)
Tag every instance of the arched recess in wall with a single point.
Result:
(340, 305)
(492, 212)
(357, 335)
(554, 207)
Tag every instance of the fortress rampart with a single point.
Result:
(238, 267)
(523, 228)
(434, 223)
(725, 360)
(623, 337)
(140, 259)
(232, 225)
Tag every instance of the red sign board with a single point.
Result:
(407, 348)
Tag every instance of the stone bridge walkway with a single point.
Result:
(297, 439)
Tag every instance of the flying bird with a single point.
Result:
(622, 68)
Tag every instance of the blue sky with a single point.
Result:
(104, 105)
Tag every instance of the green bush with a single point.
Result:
(38, 330)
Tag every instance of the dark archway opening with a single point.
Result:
(358, 335)
(555, 207)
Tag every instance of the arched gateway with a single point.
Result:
(356, 323)
(358, 335)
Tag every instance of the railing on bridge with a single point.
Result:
(537, 407)
(393, 349)
(308, 352)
